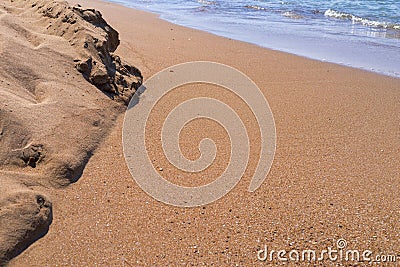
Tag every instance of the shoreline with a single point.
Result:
(273, 50)
(341, 51)
(334, 175)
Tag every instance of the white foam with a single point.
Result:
(292, 15)
(256, 7)
(206, 2)
(355, 19)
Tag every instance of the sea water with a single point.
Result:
(358, 33)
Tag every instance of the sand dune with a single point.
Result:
(52, 116)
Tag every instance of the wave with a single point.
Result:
(206, 2)
(292, 15)
(255, 7)
(364, 21)
(288, 14)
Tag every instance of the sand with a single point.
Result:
(51, 116)
(335, 174)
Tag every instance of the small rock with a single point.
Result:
(83, 67)
(99, 77)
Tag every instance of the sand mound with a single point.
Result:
(25, 216)
(51, 118)
(95, 41)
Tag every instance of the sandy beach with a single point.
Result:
(335, 175)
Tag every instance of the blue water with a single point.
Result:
(360, 33)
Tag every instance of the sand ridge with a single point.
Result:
(52, 116)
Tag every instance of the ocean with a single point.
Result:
(363, 34)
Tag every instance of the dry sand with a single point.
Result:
(51, 117)
(335, 175)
